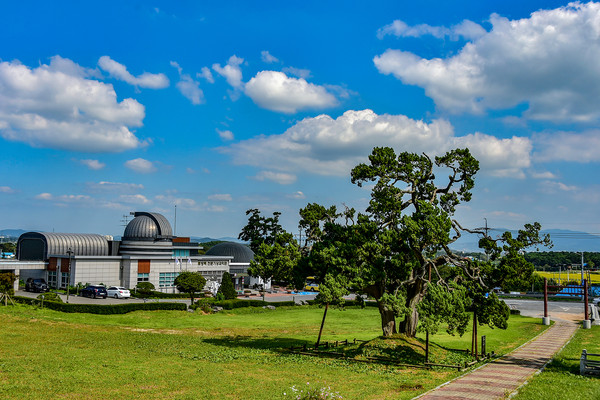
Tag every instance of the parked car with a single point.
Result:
(118, 292)
(94, 291)
(36, 285)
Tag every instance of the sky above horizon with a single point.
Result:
(216, 108)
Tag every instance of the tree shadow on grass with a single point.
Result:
(273, 343)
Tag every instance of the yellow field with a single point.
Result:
(564, 276)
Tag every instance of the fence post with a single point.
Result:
(587, 324)
(546, 319)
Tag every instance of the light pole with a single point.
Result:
(70, 253)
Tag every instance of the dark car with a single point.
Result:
(36, 285)
(94, 291)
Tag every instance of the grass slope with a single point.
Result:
(230, 355)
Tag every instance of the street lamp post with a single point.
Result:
(70, 253)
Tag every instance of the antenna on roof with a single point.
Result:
(125, 220)
(175, 225)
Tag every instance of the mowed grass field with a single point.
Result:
(230, 355)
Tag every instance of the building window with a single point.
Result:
(143, 277)
(64, 279)
(167, 278)
(52, 279)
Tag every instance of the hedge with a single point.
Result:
(238, 303)
(349, 303)
(101, 308)
(161, 295)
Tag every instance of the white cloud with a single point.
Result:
(141, 165)
(568, 146)
(326, 146)
(552, 187)
(225, 135)
(548, 61)
(267, 57)
(188, 87)
(231, 72)
(297, 72)
(296, 195)
(276, 91)
(44, 196)
(134, 199)
(542, 175)
(190, 170)
(280, 177)
(206, 74)
(184, 203)
(145, 80)
(105, 186)
(220, 197)
(6, 189)
(93, 164)
(466, 29)
(58, 106)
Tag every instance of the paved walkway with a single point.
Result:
(500, 378)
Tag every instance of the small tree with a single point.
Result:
(190, 282)
(226, 288)
(7, 280)
(145, 288)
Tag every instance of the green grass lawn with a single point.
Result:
(230, 355)
(561, 379)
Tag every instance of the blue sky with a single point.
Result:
(112, 107)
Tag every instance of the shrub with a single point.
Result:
(145, 288)
(227, 288)
(7, 280)
(50, 296)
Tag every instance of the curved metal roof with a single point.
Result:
(146, 226)
(82, 244)
(240, 253)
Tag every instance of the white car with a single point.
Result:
(118, 292)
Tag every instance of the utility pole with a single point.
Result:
(582, 267)
(70, 253)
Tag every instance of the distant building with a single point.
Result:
(238, 266)
(147, 252)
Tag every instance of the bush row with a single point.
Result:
(101, 308)
(238, 303)
(350, 303)
(161, 295)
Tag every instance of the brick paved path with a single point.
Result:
(503, 376)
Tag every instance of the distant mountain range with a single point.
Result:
(564, 240)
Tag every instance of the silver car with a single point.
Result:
(118, 292)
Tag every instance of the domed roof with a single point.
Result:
(240, 253)
(148, 226)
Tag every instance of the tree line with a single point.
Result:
(553, 260)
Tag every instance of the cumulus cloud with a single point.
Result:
(551, 187)
(145, 80)
(58, 106)
(134, 199)
(326, 146)
(188, 87)
(279, 177)
(225, 135)
(6, 189)
(44, 196)
(267, 57)
(568, 146)
(297, 72)
(547, 61)
(466, 29)
(206, 74)
(105, 186)
(141, 165)
(276, 91)
(231, 71)
(220, 197)
(93, 164)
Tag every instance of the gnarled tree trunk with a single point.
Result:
(388, 320)
(414, 295)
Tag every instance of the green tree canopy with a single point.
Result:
(227, 289)
(190, 282)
